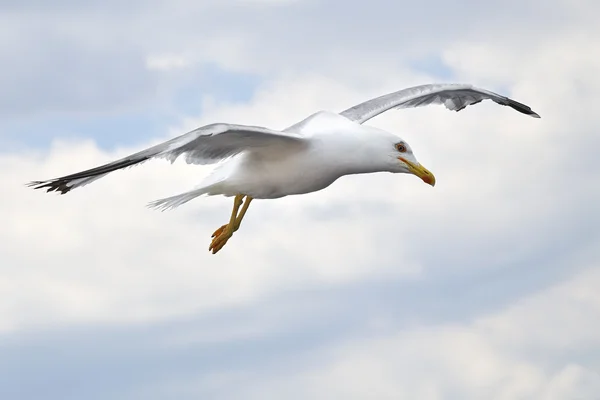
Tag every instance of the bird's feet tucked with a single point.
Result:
(219, 231)
(220, 238)
(222, 235)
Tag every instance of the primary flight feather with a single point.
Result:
(306, 157)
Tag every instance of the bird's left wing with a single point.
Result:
(454, 96)
(205, 145)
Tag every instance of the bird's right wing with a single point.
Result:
(454, 96)
(205, 145)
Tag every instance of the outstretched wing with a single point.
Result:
(454, 96)
(204, 145)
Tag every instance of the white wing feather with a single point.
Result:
(205, 145)
(454, 96)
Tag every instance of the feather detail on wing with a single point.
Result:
(454, 96)
(205, 145)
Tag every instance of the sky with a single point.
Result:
(378, 287)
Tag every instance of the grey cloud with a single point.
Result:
(91, 55)
(278, 336)
(63, 63)
(63, 78)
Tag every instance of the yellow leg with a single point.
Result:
(238, 220)
(222, 235)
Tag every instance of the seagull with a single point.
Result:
(262, 163)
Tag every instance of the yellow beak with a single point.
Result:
(420, 171)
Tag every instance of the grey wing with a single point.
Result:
(454, 96)
(205, 145)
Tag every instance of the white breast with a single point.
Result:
(273, 178)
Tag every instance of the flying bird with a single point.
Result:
(262, 163)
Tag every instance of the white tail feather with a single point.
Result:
(176, 201)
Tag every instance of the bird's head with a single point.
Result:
(407, 163)
(399, 158)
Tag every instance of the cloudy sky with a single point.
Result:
(379, 287)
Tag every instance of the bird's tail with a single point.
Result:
(175, 201)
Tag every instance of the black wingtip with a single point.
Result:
(522, 108)
(50, 186)
(64, 184)
(35, 184)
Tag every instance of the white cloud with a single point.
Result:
(167, 62)
(474, 360)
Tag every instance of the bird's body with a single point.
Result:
(333, 146)
(260, 163)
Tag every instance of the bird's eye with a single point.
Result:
(401, 148)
